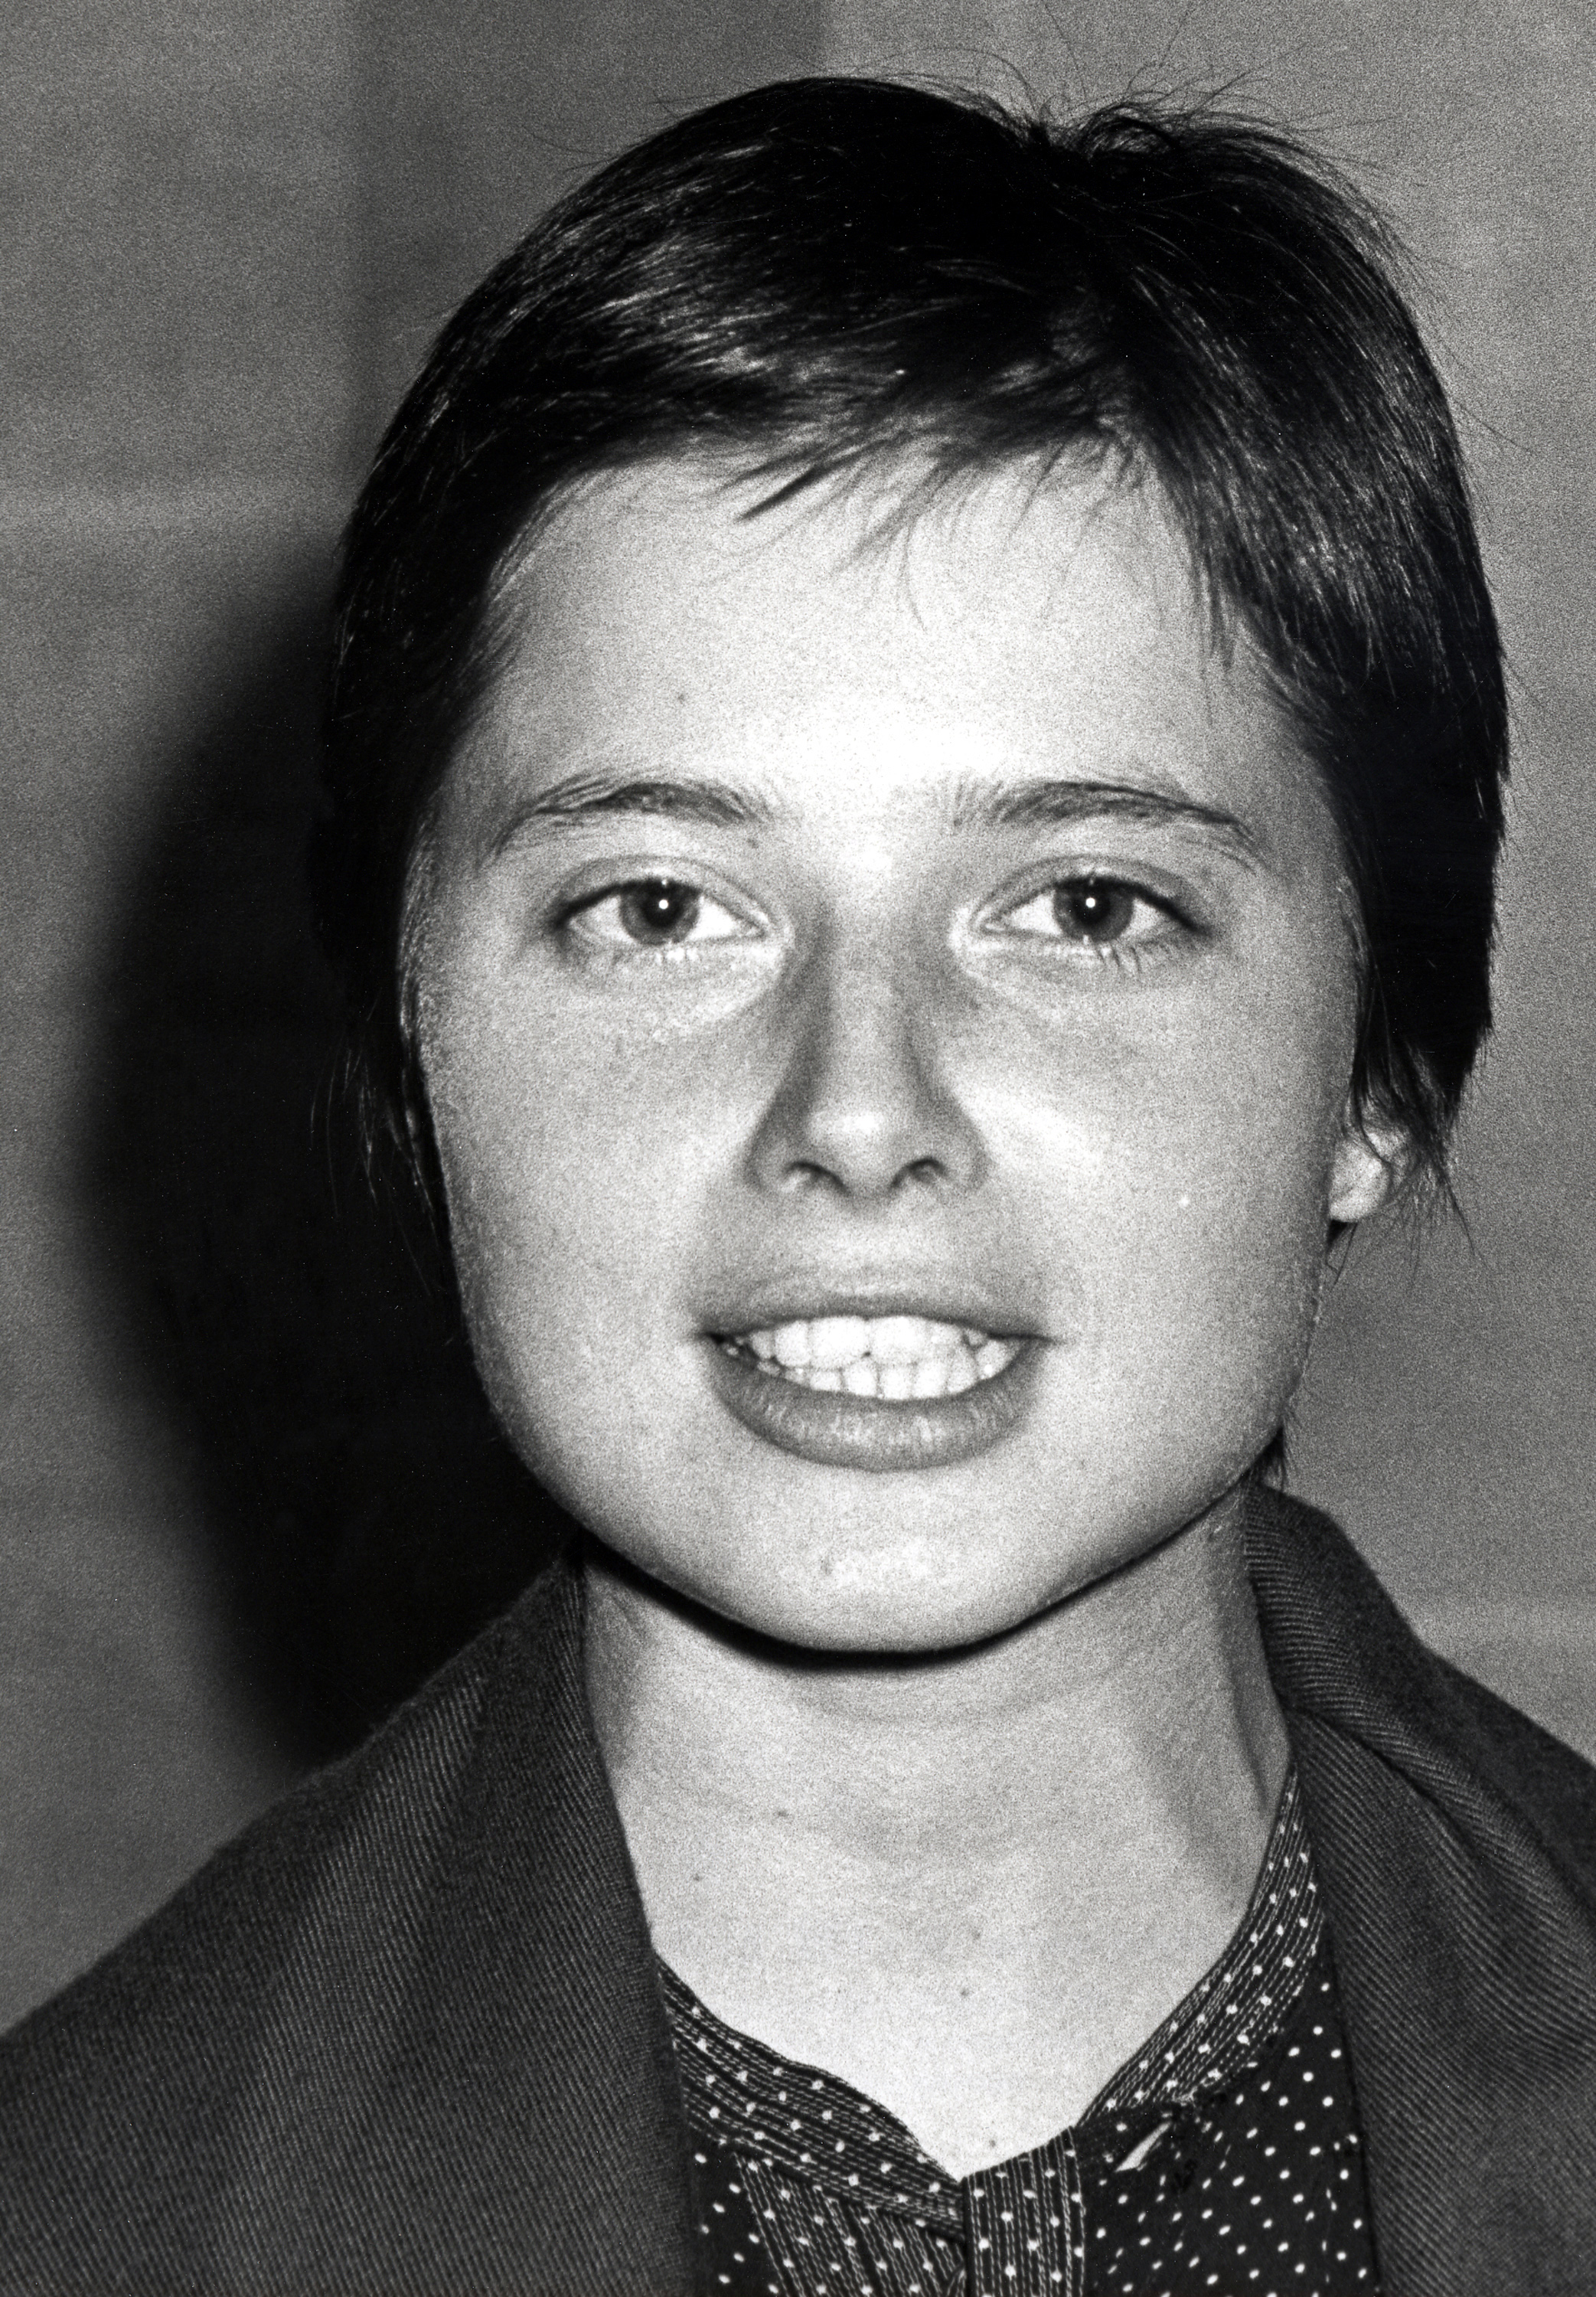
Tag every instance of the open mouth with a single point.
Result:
(880, 1393)
(895, 1358)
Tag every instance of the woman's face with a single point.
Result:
(887, 1010)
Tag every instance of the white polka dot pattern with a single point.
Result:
(1024, 2228)
(1258, 2186)
(1230, 2012)
(1223, 2157)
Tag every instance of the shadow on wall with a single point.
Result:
(366, 1516)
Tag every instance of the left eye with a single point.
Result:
(1092, 912)
(655, 913)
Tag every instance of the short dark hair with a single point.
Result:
(828, 275)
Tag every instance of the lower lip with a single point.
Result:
(865, 1432)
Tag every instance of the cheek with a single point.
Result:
(1181, 1177)
(1236, 1205)
(567, 1160)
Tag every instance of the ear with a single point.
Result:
(1371, 1162)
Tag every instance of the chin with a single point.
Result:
(912, 1601)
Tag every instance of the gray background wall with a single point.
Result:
(225, 1537)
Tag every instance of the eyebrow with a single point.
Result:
(1027, 803)
(594, 796)
(1037, 804)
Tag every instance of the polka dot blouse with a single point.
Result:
(1223, 2157)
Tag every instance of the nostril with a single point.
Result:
(923, 1172)
(804, 1175)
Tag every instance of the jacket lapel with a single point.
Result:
(1453, 1844)
(532, 2099)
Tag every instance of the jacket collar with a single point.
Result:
(1456, 1850)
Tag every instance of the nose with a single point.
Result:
(861, 1109)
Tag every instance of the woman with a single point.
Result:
(915, 774)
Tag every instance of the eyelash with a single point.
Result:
(1120, 954)
(1117, 953)
(626, 950)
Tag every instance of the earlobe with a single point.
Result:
(1369, 1162)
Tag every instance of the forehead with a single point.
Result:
(856, 647)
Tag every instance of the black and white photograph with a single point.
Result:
(797, 1311)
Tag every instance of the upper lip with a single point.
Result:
(804, 1298)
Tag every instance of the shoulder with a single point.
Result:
(404, 2032)
(1455, 1844)
(119, 2098)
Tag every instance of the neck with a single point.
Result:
(834, 1849)
(1151, 1686)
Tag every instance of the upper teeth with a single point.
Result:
(901, 1358)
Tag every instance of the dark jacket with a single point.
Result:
(404, 2036)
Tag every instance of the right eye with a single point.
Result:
(653, 913)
